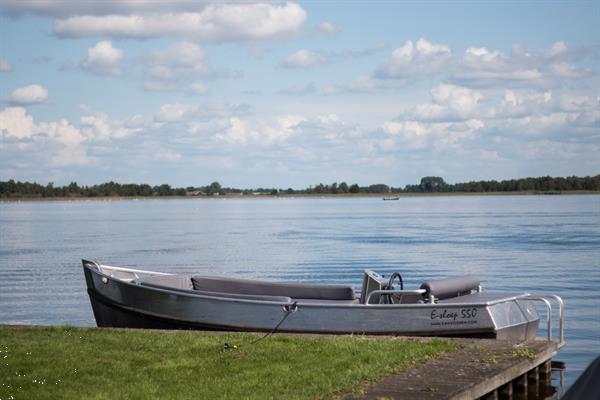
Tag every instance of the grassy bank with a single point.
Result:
(66, 362)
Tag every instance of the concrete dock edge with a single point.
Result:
(480, 369)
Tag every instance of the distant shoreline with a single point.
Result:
(322, 195)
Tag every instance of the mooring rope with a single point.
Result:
(288, 310)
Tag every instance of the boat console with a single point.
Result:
(378, 290)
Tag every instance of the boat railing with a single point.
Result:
(546, 301)
(135, 273)
(392, 291)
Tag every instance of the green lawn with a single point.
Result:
(90, 363)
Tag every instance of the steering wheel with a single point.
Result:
(393, 277)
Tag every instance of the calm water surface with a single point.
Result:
(540, 244)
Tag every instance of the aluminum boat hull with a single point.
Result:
(120, 303)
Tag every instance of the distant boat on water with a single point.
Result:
(391, 198)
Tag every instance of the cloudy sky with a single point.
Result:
(291, 94)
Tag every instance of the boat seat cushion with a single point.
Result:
(451, 287)
(184, 283)
(265, 288)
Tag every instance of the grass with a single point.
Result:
(90, 363)
(526, 353)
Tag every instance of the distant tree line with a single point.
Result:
(542, 184)
(13, 188)
(428, 184)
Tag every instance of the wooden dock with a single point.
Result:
(486, 369)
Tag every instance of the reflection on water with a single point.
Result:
(540, 244)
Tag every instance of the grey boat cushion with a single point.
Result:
(293, 290)
(451, 287)
(184, 283)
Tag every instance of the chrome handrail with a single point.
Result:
(392, 291)
(561, 305)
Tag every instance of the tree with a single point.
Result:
(433, 184)
(164, 190)
(379, 188)
(73, 188)
(354, 188)
(214, 188)
(343, 188)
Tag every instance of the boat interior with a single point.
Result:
(376, 289)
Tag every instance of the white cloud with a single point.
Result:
(556, 50)
(445, 127)
(460, 99)
(172, 112)
(215, 22)
(64, 143)
(29, 95)
(73, 150)
(63, 132)
(482, 67)
(449, 102)
(516, 104)
(279, 131)
(15, 122)
(562, 69)
(5, 66)
(259, 132)
(103, 59)
(99, 126)
(327, 28)
(181, 59)
(412, 134)
(413, 60)
(236, 133)
(304, 59)
(72, 155)
(579, 103)
(167, 69)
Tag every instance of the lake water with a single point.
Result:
(540, 244)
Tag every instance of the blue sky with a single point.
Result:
(289, 94)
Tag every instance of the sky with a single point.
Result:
(292, 94)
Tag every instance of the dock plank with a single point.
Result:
(478, 368)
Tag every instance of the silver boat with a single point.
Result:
(133, 298)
